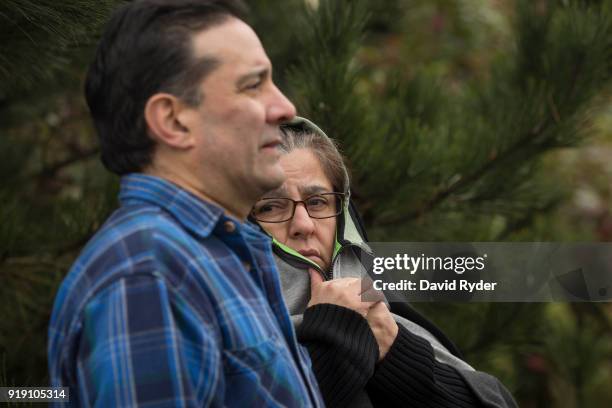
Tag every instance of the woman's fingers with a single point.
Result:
(383, 326)
(316, 279)
(344, 292)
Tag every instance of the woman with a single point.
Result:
(360, 356)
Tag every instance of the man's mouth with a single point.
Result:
(273, 144)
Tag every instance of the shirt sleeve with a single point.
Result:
(143, 345)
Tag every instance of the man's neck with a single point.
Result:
(188, 182)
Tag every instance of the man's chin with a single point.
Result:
(272, 179)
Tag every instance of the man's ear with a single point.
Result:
(164, 114)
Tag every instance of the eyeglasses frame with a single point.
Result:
(342, 197)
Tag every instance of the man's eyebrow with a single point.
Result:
(258, 73)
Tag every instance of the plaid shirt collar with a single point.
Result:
(193, 213)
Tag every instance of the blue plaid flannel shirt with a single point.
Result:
(173, 303)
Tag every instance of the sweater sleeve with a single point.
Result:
(409, 373)
(342, 348)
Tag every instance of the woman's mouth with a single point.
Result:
(309, 253)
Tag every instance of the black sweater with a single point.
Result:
(344, 355)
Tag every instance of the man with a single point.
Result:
(176, 301)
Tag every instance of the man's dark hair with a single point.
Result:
(146, 48)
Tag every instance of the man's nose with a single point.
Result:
(301, 223)
(280, 109)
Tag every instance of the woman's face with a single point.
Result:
(311, 237)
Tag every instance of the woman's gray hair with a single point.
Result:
(324, 149)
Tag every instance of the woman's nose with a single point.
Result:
(301, 223)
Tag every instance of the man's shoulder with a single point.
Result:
(137, 227)
(134, 240)
(143, 217)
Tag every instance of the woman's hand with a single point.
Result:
(348, 292)
(383, 326)
(344, 292)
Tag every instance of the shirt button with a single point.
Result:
(247, 266)
(229, 226)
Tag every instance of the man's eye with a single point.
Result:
(254, 85)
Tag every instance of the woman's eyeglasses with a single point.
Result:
(323, 205)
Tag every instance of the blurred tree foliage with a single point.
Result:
(53, 195)
(451, 115)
